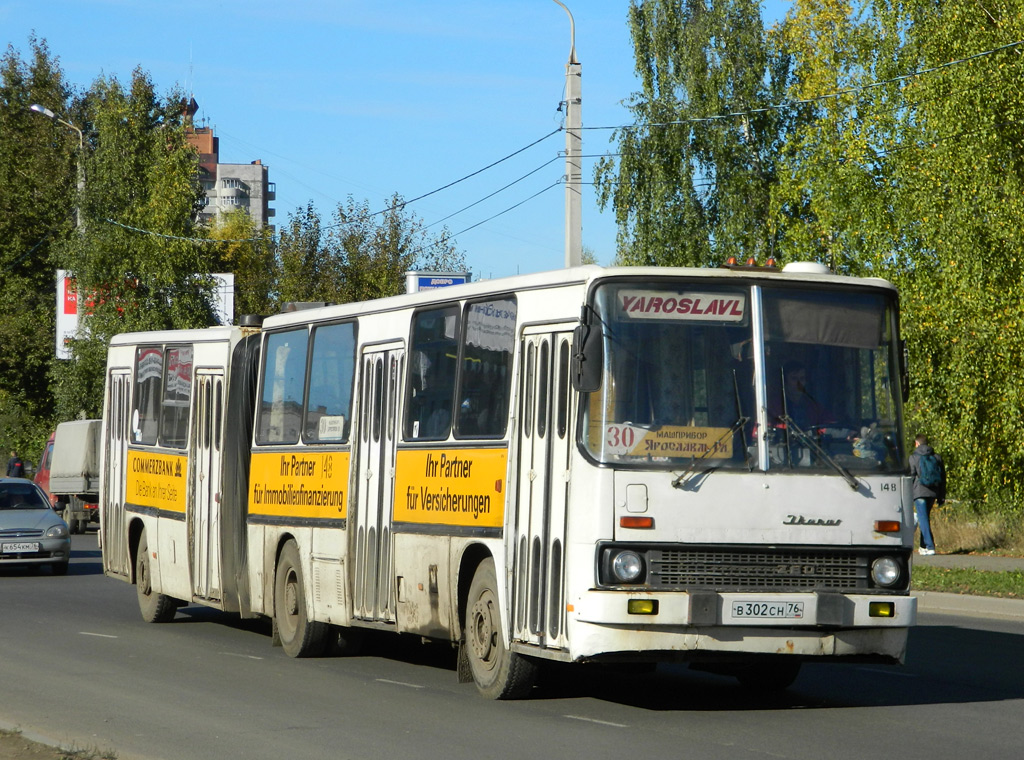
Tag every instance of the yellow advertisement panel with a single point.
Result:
(462, 487)
(157, 480)
(301, 483)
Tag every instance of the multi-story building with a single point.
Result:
(230, 186)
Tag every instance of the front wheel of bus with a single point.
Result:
(300, 637)
(497, 672)
(155, 608)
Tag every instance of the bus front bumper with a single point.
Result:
(810, 624)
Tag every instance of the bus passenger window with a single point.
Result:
(284, 376)
(432, 365)
(149, 371)
(486, 378)
(331, 371)
(177, 397)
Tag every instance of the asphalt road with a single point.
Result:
(79, 667)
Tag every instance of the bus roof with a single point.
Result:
(582, 275)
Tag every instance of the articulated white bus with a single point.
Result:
(632, 465)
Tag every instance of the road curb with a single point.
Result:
(965, 604)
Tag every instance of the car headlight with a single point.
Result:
(627, 566)
(58, 531)
(886, 572)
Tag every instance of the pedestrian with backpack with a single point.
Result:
(929, 475)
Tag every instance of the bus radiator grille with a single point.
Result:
(739, 570)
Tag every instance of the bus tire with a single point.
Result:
(155, 608)
(497, 672)
(300, 636)
(768, 676)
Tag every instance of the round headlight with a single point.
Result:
(57, 531)
(885, 571)
(627, 566)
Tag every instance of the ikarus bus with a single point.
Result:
(631, 465)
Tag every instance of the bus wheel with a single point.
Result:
(768, 676)
(497, 672)
(155, 608)
(300, 637)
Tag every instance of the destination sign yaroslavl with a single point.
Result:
(715, 307)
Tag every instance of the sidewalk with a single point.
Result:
(964, 604)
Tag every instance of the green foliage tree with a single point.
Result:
(248, 253)
(305, 263)
(136, 262)
(688, 189)
(361, 255)
(959, 199)
(37, 185)
(374, 251)
(895, 150)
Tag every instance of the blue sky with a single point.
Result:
(371, 97)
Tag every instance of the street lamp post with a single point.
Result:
(79, 222)
(78, 162)
(573, 152)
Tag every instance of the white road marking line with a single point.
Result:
(400, 683)
(243, 656)
(98, 635)
(595, 720)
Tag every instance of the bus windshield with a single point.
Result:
(681, 381)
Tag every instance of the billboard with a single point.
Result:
(68, 314)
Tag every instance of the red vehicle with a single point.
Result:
(42, 476)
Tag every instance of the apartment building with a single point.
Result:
(231, 186)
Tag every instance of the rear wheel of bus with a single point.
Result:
(155, 608)
(299, 636)
(497, 672)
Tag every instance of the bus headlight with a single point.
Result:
(886, 572)
(627, 567)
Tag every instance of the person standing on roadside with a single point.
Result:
(929, 473)
(15, 467)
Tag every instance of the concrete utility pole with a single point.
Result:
(573, 152)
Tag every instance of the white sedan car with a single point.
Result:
(31, 533)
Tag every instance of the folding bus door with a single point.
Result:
(204, 506)
(374, 582)
(544, 440)
(113, 536)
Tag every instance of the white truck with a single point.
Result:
(75, 472)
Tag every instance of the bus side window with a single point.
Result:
(432, 369)
(284, 377)
(331, 371)
(177, 396)
(149, 372)
(485, 383)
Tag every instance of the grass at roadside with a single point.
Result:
(1009, 584)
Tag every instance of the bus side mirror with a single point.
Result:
(904, 371)
(587, 358)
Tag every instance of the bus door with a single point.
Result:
(113, 535)
(545, 431)
(204, 506)
(374, 582)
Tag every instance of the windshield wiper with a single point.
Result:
(813, 445)
(685, 476)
